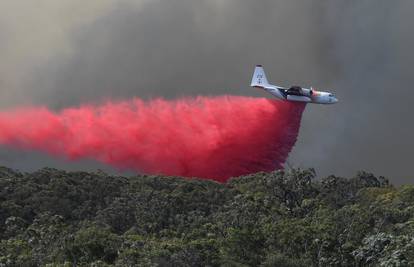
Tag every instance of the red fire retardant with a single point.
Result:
(206, 137)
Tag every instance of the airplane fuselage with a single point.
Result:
(294, 93)
(308, 95)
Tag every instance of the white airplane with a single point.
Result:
(294, 93)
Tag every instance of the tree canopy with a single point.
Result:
(283, 218)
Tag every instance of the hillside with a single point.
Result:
(291, 218)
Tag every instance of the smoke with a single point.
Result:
(62, 53)
(213, 138)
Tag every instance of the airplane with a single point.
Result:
(294, 93)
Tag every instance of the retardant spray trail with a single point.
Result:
(214, 138)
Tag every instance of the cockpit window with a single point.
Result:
(331, 95)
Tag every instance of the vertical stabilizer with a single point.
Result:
(259, 77)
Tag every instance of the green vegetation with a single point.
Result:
(58, 218)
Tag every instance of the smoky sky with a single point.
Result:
(66, 53)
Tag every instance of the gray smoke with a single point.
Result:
(70, 52)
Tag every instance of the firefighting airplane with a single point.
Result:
(294, 93)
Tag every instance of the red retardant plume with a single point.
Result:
(207, 137)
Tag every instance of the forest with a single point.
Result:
(284, 218)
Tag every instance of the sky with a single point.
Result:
(68, 52)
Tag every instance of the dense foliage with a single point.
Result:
(59, 218)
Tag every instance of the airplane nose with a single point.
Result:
(335, 100)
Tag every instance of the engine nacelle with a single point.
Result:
(307, 92)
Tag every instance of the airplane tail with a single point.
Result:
(259, 77)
